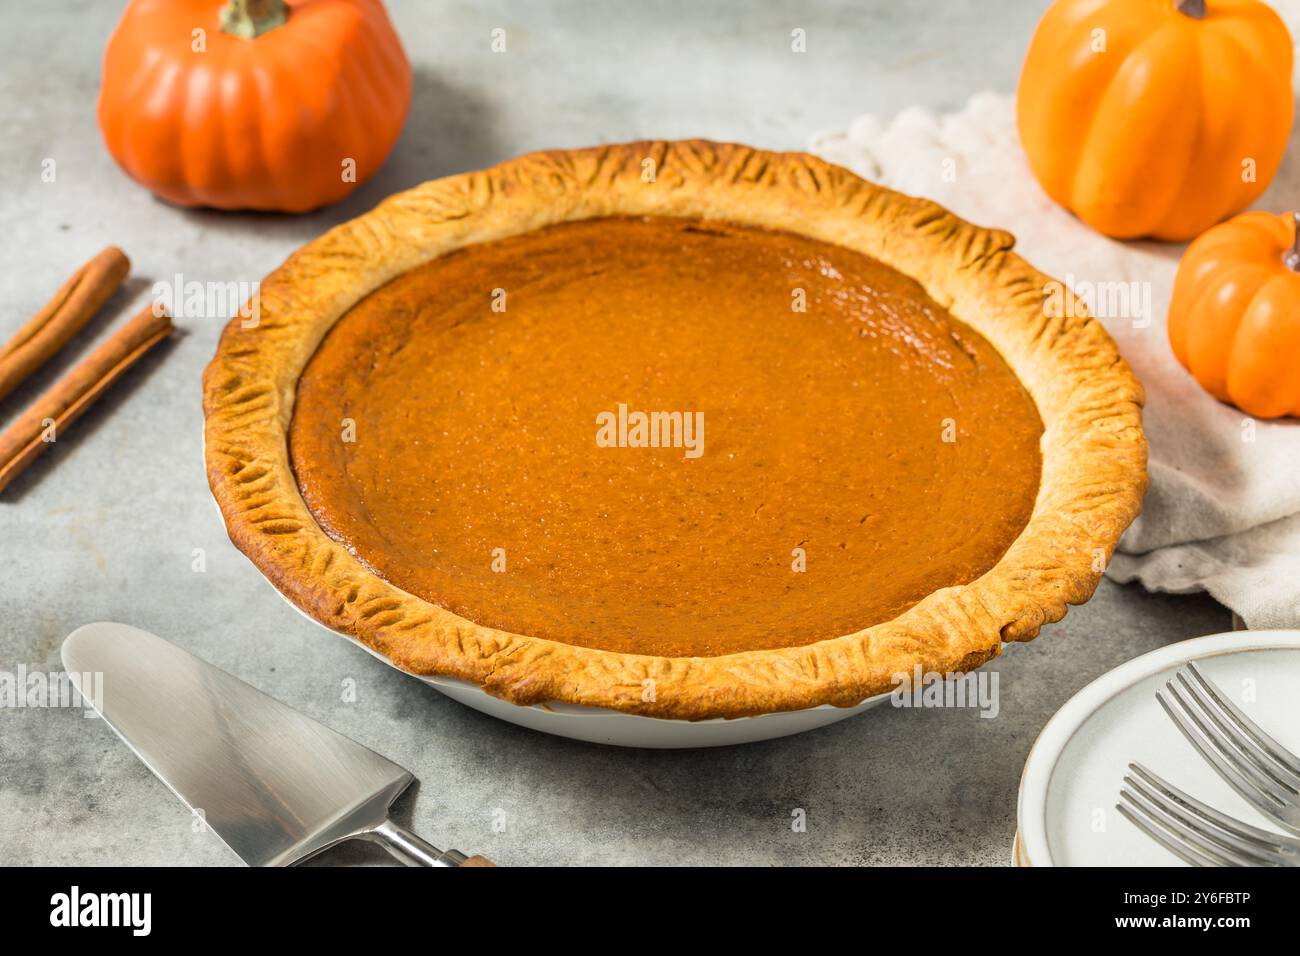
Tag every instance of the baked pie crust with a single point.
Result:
(1093, 451)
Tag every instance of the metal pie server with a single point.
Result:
(273, 784)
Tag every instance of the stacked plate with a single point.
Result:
(1066, 813)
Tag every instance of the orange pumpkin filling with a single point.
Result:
(469, 430)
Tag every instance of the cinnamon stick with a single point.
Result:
(62, 317)
(42, 424)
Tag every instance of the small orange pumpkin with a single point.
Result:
(1156, 117)
(253, 104)
(1234, 318)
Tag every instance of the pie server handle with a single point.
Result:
(413, 850)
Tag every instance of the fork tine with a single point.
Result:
(1185, 853)
(1189, 805)
(1190, 725)
(1249, 758)
(1188, 826)
(1175, 832)
(1223, 854)
(1285, 758)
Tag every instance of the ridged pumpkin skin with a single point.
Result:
(1234, 318)
(262, 123)
(1148, 137)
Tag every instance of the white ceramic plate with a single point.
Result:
(1071, 782)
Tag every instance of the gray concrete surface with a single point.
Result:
(105, 526)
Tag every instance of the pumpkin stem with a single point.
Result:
(1192, 8)
(251, 18)
(1292, 258)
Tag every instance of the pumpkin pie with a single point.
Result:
(682, 429)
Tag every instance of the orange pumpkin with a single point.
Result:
(1234, 318)
(253, 104)
(1156, 117)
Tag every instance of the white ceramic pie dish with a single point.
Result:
(1066, 810)
(600, 726)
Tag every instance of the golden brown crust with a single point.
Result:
(1094, 452)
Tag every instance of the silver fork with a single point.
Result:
(1196, 833)
(1264, 772)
